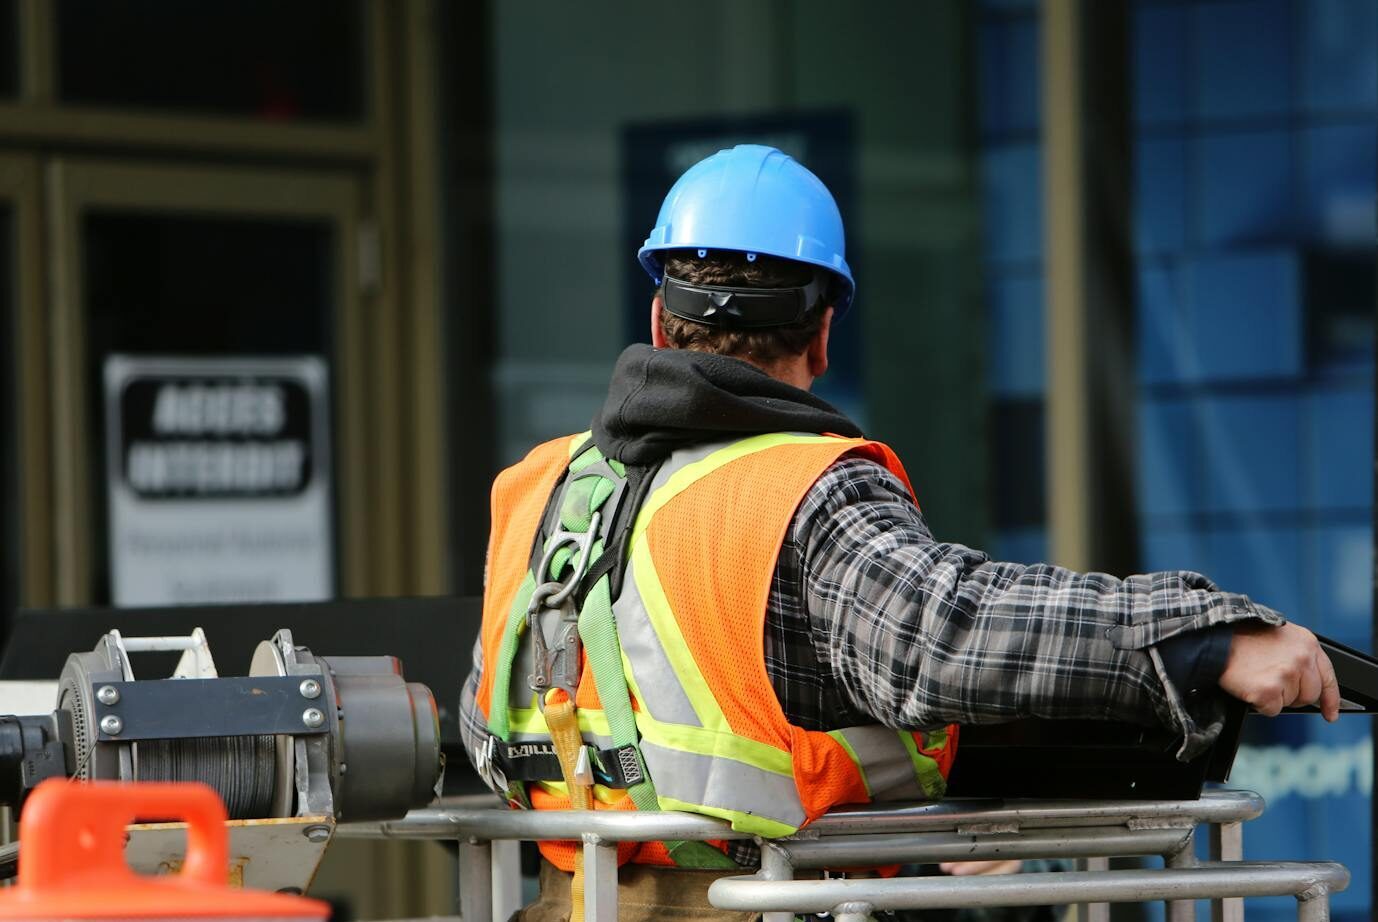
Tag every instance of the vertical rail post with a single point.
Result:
(775, 865)
(1314, 905)
(1094, 912)
(1184, 857)
(1227, 844)
(476, 881)
(853, 912)
(507, 879)
(600, 880)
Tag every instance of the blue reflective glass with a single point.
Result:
(1340, 449)
(1008, 65)
(1160, 64)
(1266, 562)
(1166, 353)
(1176, 547)
(1243, 58)
(1341, 586)
(1015, 331)
(1339, 46)
(1160, 195)
(1245, 184)
(1252, 453)
(1256, 360)
(1013, 204)
(1338, 183)
(1245, 318)
(1020, 545)
(1170, 482)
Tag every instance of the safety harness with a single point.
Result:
(566, 603)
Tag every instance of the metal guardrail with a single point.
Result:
(868, 836)
(853, 900)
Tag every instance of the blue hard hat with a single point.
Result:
(753, 199)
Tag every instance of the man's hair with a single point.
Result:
(762, 346)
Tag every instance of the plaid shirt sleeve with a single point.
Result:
(472, 729)
(918, 633)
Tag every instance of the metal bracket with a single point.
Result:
(179, 708)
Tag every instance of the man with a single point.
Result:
(729, 602)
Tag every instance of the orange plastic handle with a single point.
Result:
(72, 830)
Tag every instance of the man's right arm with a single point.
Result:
(920, 633)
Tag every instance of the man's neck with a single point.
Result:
(793, 371)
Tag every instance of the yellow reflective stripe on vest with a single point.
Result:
(743, 822)
(532, 721)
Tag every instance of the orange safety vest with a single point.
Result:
(690, 621)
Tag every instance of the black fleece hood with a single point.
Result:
(663, 399)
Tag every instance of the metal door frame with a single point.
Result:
(75, 185)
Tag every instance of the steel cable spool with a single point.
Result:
(338, 737)
(241, 769)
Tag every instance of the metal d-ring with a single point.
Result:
(585, 544)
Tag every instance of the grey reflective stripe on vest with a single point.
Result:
(885, 763)
(661, 693)
(691, 778)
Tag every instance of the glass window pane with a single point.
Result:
(9, 49)
(201, 286)
(591, 126)
(1254, 197)
(255, 58)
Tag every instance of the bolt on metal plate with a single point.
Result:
(316, 833)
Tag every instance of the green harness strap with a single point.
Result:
(598, 633)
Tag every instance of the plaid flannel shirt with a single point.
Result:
(873, 620)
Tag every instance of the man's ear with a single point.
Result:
(818, 346)
(657, 331)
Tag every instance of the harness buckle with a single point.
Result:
(485, 761)
(555, 658)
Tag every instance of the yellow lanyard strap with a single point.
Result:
(560, 717)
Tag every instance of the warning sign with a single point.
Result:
(219, 479)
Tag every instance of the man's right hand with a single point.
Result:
(1273, 667)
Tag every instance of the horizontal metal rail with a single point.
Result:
(866, 836)
(932, 847)
(1305, 880)
(1212, 807)
(490, 825)
(496, 822)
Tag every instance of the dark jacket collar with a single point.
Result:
(663, 399)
